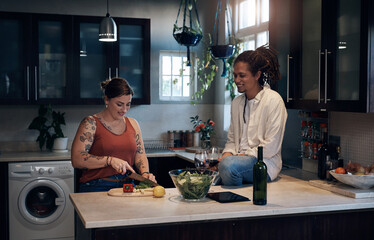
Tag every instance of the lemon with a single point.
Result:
(158, 191)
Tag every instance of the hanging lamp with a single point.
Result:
(108, 28)
(223, 51)
(190, 33)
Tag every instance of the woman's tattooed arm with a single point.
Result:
(82, 144)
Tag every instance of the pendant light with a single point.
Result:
(108, 28)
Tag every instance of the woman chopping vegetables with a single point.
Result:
(107, 144)
(258, 117)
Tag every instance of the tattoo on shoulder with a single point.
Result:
(89, 123)
(139, 148)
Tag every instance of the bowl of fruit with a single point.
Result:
(192, 184)
(355, 175)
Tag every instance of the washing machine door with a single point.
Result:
(41, 201)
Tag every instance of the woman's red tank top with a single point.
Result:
(106, 143)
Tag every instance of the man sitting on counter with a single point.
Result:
(258, 117)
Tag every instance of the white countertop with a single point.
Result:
(53, 156)
(286, 196)
(33, 156)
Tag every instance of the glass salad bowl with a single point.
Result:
(191, 184)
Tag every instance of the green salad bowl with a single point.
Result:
(191, 184)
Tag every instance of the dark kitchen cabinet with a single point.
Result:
(283, 37)
(327, 55)
(160, 167)
(58, 59)
(128, 58)
(35, 57)
(14, 63)
(51, 59)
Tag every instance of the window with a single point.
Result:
(175, 76)
(252, 23)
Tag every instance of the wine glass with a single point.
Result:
(213, 155)
(200, 160)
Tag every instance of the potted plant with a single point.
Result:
(48, 123)
(188, 35)
(207, 68)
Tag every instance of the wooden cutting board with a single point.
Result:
(343, 189)
(118, 192)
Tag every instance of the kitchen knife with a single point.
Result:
(142, 179)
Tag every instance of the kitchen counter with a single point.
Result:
(53, 156)
(34, 156)
(286, 197)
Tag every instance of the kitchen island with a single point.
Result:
(295, 210)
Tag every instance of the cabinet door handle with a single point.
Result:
(288, 78)
(326, 53)
(36, 82)
(28, 83)
(116, 71)
(110, 73)
(319, 75)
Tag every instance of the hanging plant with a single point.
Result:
(223, 51)
(207, 69)
(191, 34)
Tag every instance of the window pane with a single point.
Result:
(12, 60)
(166, 86)
(177, 86)
(131, 57)
(264, 11)
(52, 60)
(262, 38)
(186, 86)
(92, 61)
(247, 13)
(249, 45)
(166, 65)
(177, 65)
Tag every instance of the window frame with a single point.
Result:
(251, 32)
(193, 76)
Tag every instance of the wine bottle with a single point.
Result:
(260, 179)
(323, 152)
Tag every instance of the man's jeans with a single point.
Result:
(236, 170)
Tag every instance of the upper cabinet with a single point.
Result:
(326, 58)
(58, 59)
(14, 64)
(128, 57)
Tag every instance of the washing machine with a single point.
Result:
(39, 204)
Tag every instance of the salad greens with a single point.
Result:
(143, 185)
(193, 185)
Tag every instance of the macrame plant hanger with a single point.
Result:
(224, 51)
(188, 35)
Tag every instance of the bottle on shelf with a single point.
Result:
(323, 154)
(310, 129)
(304, 133)
(340, 160)
(260, 179)
(315, 151)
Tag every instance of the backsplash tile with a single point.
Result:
(356, 133)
